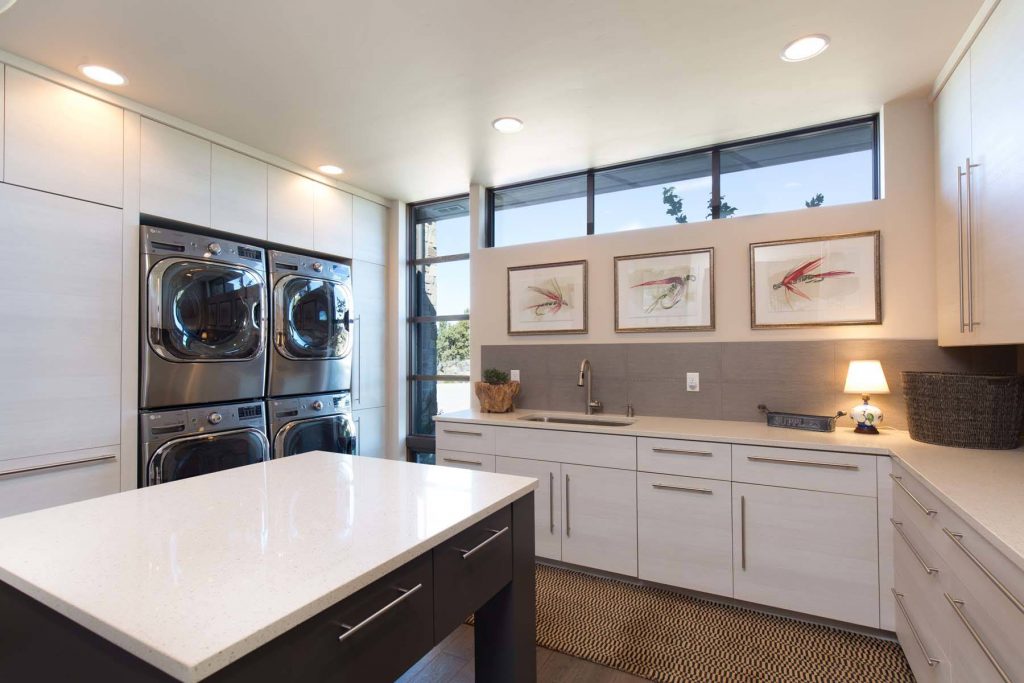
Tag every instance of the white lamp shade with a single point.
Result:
(866, 377)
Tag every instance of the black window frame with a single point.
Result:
(716, 175)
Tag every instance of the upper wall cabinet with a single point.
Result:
(62, 141)
(370, 231)
(290, 212)
(175, 174)
(239, 194)
(332, 221)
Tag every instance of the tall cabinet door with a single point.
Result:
(371, 432)
(547, 501)
(369, 292)
(997, 108)
(599, 518)
(953, 147)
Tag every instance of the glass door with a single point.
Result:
(334, 433)
(313, 318)
(195, 455)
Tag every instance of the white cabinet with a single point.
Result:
(61, 336)
(371, 432)
(29, 484)
(332, 221)
(175, 174)
(807, 551)
(369, 371)
(290, 208)
(369, 231)
(457, 436)
(581, 448)
(61, 141)
(547, 501)
(478, 462)
(238, 194)
(685, 532)
(599, 518)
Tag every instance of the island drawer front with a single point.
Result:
(480, 462)
(470, 568)
(467, 437)
(850, 473)
(923, 508)
(702, 459)
(574, 448)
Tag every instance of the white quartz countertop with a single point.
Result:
(192, 575)
(985, 487)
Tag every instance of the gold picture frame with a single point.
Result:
(649, 303)
(549, 298)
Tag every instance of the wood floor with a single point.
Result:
(452, 660)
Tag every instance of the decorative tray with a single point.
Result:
(810, 423)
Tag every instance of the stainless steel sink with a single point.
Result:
(570, 420)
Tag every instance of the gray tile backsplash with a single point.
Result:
(803, 376)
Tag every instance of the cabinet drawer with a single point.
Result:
(460, 436)
(983, 646)
(919, 620)
(30, 484)
(575, 448)
(470, 568)
(850, 473)
(921, 506)
(685, 458)
(480, 462)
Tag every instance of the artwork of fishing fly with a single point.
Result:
(548, 299)
(667, 291)
(815, 281)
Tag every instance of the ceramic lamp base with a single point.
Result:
(865, 429)
(867, 417)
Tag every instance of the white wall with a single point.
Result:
(903, 215)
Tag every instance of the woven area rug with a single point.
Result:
(665, 636)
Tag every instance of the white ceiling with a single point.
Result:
(401, 93)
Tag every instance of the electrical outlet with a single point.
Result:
(514, 375)
(693, 381)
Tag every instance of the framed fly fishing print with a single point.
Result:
(667, 291)
(550, 298)
(816, 281)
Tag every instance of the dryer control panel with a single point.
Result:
(161, 425)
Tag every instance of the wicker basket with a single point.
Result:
(496, 398)
(966, 411)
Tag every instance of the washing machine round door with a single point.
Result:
(313, 318)
(192, 456)
(333, 433)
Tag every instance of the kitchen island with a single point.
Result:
(313, 567)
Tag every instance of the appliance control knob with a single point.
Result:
(215, 418)
(317, 266)
(214, 248)
(317, 405)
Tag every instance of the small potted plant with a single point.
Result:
(496, 392)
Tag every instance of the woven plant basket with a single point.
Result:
(496, 398)
(966, 411)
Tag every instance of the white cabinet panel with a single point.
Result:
(332, 221)
(290, 208)
(599, 518)
(29, 484)
(239, 194)
(371, 432)
(175, 174)
(369, 231)
(460, 436)
(61, 337)
(806, 551)
(806, 469)
(59, 140)
(547, 501)
(478, 462)
(369, 371)
(3, 70)
(686, 458)
(886, 606)
(599, 450)
(685, 532)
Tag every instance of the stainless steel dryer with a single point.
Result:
(186, 442)
(204, 331)
(321, 422)
(311, 325)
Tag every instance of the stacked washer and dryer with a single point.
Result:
(213, 393)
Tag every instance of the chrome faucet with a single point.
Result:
(587, 374)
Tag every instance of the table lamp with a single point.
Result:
(865, 377)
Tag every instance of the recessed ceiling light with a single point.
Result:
(6, 5)
(507, 124)
(102, 74)
(331, 169)
(805, 48)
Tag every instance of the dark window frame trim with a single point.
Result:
(715, 152)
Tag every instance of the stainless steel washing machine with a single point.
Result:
(311, 325)
(320, 422)
(203, 319)
(187, 442)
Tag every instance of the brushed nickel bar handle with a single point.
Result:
(406, 594)
(669, 487)
(358, 397)
(805, 463)
(913, 629)
(924, 565)
(960, 240)
(463, 462)
(358, 440)
(956, 605)
(56, 465)
(924, 508)
(466, 554)
(462, 432)
(958, 539)
(743, 533)
(676, 451)
(568, 525)
(551, 500)
(970, 250)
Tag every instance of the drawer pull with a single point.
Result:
(924, 565)
(55, 465)
(461, 432)
(743, 533)
(958, 539)
(924, 508)
(568, 524)
(406, 593)
(957, 605)
(551, 500)
(463, 462)
(676, 451)
(670, 487)
(466, 554)
(913, 630)
(805, 463)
